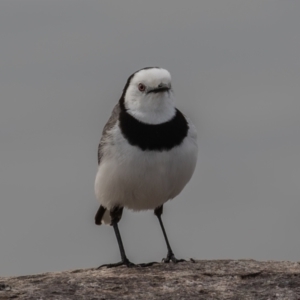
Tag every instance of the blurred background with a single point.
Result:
(236, 71)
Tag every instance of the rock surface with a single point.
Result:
(217, 279)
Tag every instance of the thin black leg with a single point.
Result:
(120, 243)
(170, 256)
(116, 215)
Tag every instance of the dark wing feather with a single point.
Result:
(108, 126)
(99, 215)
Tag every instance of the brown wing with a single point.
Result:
(109, 125)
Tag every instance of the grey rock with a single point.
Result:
(215, 279)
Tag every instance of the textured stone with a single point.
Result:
(216, 279)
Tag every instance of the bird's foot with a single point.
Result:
(147, 264)
(124, 262)
(171, 258)
(175, 260)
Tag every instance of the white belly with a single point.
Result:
(141, 180)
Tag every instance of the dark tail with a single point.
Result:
(99, 215)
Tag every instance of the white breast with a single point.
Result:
(141, 180)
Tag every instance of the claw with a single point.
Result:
(126, 263)
(171, 257)
(147, 264)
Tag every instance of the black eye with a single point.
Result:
(141, 87)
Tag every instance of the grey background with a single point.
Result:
(235, 68)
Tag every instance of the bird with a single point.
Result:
(146, 155)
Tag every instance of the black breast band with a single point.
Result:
(151, 137)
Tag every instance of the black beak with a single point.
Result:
(159, 90)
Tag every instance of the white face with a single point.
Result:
(149, 97)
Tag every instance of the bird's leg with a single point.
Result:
(116, 215)
(125, 261)
(170, 256)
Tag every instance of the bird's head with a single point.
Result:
(148, 96)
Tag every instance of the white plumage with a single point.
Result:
(144, 179)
